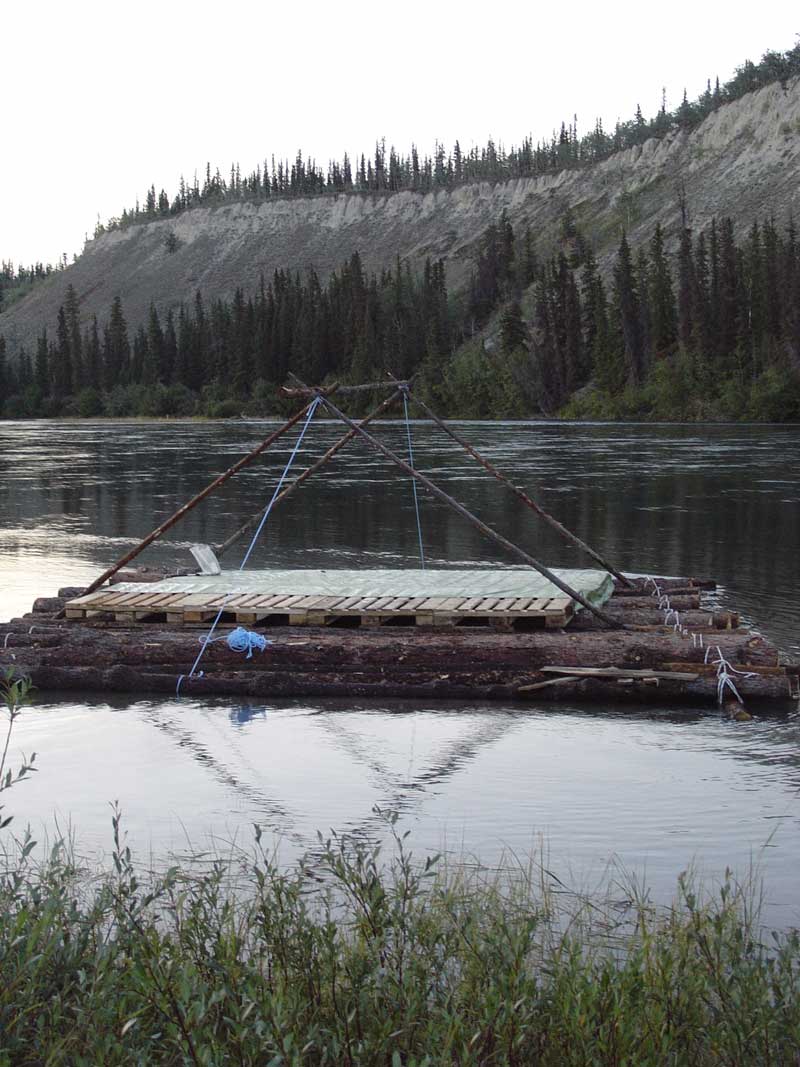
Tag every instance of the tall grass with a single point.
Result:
(363, 958)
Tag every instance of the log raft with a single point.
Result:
(579, 660)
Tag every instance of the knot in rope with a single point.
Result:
(724, 672)
(241, 640)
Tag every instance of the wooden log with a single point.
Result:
(47, 605)
(432, 684)
(680, 602)
(412, 647)
(644, 586)
(707, 621)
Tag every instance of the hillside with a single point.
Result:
(743, 161)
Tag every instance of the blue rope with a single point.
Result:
(251, 546)
(413, 481)
(241, 640)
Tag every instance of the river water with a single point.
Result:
(601, 792)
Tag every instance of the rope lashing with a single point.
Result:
(404, 390)
(209, 636)
(724, 672)
(669, 612)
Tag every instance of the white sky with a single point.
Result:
(101, 99)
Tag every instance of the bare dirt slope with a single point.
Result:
(743, 161)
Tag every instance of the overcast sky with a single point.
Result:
(101, 99)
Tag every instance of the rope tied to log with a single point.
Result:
(724, 672)
(669, 612)
(209, 636)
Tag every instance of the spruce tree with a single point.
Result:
(72, 310)
(661, 296)
(116, 348)
(627, 313)
(513, 334)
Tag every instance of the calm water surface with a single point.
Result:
(650, 792)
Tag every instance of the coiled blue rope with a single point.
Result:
(251, 637)
(241, 640)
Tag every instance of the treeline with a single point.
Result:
(228, 357)
(16, 281)
(712, 331)
(386, 172)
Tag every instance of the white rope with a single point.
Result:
(724, 672)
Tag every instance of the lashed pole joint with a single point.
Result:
(520, 553)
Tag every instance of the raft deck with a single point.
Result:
(434, 597)
(677, 644)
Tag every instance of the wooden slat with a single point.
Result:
(243, 601)
(471, 603)
(397, 603)
(161, 599)
(349, 602)
(381, 603)
(252, 605)
(504, 604)
(451, 603)
(266, 600)
(362, 604)
(92, 598)
(523, 603)
(487, 603)
(434, 603)
(286, 603)
(306, 602)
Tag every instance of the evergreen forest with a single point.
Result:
(712, 332)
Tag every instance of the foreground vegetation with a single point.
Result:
(351, 959)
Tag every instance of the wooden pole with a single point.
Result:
(517, 491)
(186, 508)
(308, 390)
(220, 550)
(614, 624)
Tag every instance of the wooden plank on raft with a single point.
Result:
(249, 607)
(622, 672)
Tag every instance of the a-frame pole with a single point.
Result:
(528, 501)
(509, 546)
(321, 462)
(186, 508)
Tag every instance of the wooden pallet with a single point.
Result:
(313, 610)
